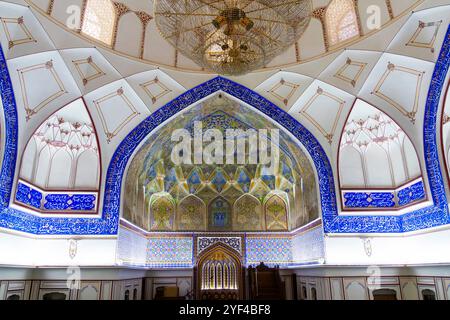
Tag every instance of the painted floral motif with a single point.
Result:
(247, 214)
(191, 214)
(162, 214)
(276, 214)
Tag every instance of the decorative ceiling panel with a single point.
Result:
(145, 38)
(323, 106)
(38, 102)
(21, 34)
(90, 69)
(118, 108)
(422, 36)
(155, 88)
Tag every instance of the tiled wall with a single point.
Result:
(270, 250)
(308, 246)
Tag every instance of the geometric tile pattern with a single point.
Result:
(308, 246)
(270, 250)
(167, 252)
(132, 141)
(204, 243)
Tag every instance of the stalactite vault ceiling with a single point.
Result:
(347, 91)
(162, 196)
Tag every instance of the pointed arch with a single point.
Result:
(276, 212)
(61, 161)
(434, 215)
(191, 214)
(99, 20)
(162, 212)
(219, 214)
(445, 132)
(248, 214)
(377, 162)
(60, 170)
(220, 263)
(341, 21)
(87, 176)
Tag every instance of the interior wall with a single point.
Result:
(307, 283)
(360, 283)
(71, 283)
(183, 279)
(421, 248)
(20, 250)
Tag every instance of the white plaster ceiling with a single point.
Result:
(124, 102)
(157, 51)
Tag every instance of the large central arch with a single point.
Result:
(432, 216)
(126, 149)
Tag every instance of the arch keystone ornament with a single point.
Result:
(108, 224)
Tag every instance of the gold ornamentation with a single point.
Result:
(247, 214)
(162, 214)
(27, 36)
(84, 74)
(50, 7)
(145, 19)
(99, 103)
(155, 89)
(328, 134)
(32, 110)
(390, 9)
(232, 37)
(191, 214)
(341, 73)
(284, 90)
(414, 42)
(276, 214)
(378, 91)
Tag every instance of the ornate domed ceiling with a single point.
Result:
(128, 27)
(350, 96)
(163, 196)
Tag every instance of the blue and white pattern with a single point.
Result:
(167, 252)
(126, 149)
(432, 216)
(271, 251)
(411, 194)
(70, 202)
(308, 247)
(388, 199)
(29, 196)
(55, 202)
(366, 200)
(429, 217)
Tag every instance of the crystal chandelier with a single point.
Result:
(232, 37)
